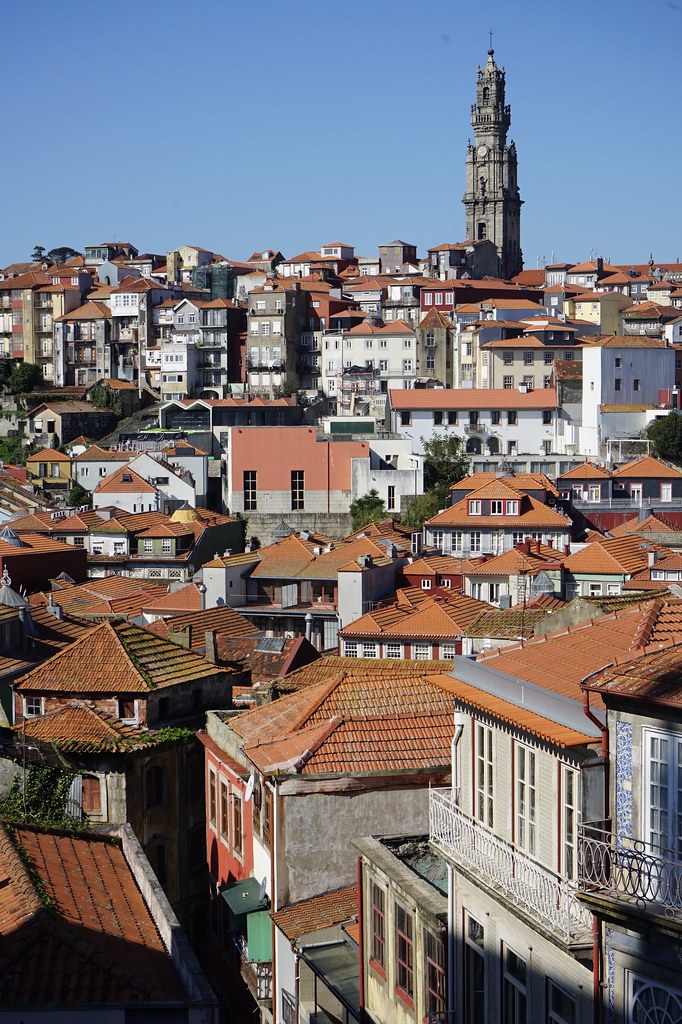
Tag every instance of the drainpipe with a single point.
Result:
(597, 974)
(297, 982)
(361, 942)
(454, 780)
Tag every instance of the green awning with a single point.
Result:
(243, 898)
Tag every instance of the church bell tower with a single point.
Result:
(492, 200)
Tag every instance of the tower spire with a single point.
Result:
(492, 200)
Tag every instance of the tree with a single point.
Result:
(62, 253)
(369, 508)
(445, 463)
(24, 377)
(666, 433)
(424, 507)
(38, 254)
(78, 496)
(104, 397)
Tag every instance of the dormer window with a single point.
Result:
(126, 709)
(496, 507)
(512, 507)
(474, 507)
(127, 478)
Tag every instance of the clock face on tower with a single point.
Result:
(482, 152)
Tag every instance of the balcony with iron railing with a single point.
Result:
(257, 975)
(629, 872)
(503, 869)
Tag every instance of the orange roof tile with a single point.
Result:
(653, 523)
(89, 888)
(312, 915)
(646, 468)
(124, 480)
(116, 658)
(225, 621)
(532, 513)
(472, 398)
(586, 471)
(434, 618)
(620, 555)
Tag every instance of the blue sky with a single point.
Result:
(246, 125)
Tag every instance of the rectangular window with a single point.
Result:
(635, 384)
(250, 494)
(595, 590)
(407, 366)
(434, 974)
(662, 792)
(561, 1009)
(512, 507)
(166, 545)
(378, 910)
(422, 652)
(404, 952)
(126, 709)
(529, 383)
(448, 651)
(495, 417)
(438, 419)
(390, 502)
(525, 799)
(474, 971)
(147, 544)
(666, 492)
(547, 416)
(512, 418)
(475, 507)
(212, 799)
(507, 358)
(569, 822)
(527, 358)
(350, 649)
(237, 826)
(394, 650)
(405, 419)
(496, 507)
(224, 811)
(549, 358)
(33, 706)
(475, 540)
(513, 988)
(297, 490)
(508, 383)
(483, 783)
(452, 419)
(369, 650)
(617, 384)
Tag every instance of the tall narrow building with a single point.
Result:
(492, 200)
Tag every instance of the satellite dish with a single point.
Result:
(262, 894)
(249, 788)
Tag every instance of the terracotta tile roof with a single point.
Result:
(473, 398)
(44, 960)
(224, 620)
(528, 721)
(116, 658)
(589, 646)
(332, 666)
(123, 481)
(91, 310)
(653, 523)
(185, 599)
(519, 560)
(646, 468)
(295, 558)
(520, 481)
(586, 471)
(506, 624)
(620, 555)
(435, 618)
(119, 596)
(81, 729)
(568, 369)
(48, 455)
(532, 513)
(441, 565)
(96, 454)
(655, 678)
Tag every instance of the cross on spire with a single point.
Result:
(490, 39)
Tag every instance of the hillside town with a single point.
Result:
(341, 629)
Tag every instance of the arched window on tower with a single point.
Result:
(486, 94)
(481, 231)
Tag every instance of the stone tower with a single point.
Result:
(492, 201)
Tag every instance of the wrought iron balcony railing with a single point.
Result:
(506, 870)
(629, 871)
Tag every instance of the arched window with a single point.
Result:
(486, 93)
(493, 446)
(474, 446)
(482, 233)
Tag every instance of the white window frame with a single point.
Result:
(484, 775)
(525, 806)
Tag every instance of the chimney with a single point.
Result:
(226, 553)
(210, 652)
(567, 549)
(537, 546)
(528, 544)
(54, 609)
(202, 596)
(309, 627)
(23, 629)
(651, 558)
